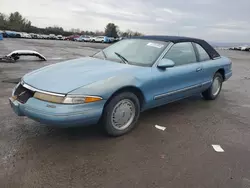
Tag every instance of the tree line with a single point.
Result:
(16, 22)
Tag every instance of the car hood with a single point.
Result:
(69, 75)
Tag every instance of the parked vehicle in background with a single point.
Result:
(116, 84)
(238, 48)
(11, 34)
(92, 38)
(99, 39)
(103, 39)
(59, 37)
(52, 36)
(34, 36)
(1, 37)
(40, 36)
(72, 37)
(118, 39)
(83, 38)
(244, 48)
(79, 39)
(46, 36)
(86, 38)
(18, 35)
(111, 39)
(241, 48)
(25, 35)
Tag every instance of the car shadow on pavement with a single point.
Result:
(12, 81)
(84, 141)
(96, 132)
(90, 132)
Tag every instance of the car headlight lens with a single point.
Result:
(48, 97)
(68, 99)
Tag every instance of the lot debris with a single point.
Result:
(15, 55)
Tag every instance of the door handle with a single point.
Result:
(199, 69)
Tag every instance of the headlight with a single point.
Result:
(49, 98)
(69, 99)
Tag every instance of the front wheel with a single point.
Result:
(214, 90)
(121, 114)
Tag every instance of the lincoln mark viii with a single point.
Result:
(115, 85)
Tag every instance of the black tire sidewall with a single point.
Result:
(109, 128)
(217, 75)
(207, 94)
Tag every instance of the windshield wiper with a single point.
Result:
(124, 60)
(103, 53)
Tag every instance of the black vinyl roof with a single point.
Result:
(177, 39)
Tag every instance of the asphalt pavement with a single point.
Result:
(179, 156)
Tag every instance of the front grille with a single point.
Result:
(23, 94)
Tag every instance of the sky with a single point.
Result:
(213, 20)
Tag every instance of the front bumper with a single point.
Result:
(59, 114)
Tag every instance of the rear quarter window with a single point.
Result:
(203, 55)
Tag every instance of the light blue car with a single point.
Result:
(116, 84)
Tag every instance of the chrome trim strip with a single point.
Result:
(41, 91)
(160, 96)
(216, 58)
(14, 89)
(176, 91)
(207, 82)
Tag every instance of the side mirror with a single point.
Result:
(165, 63)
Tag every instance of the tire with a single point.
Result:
(209, 94)
(108, 120)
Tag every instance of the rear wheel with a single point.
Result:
(121, 114)
(214, 90)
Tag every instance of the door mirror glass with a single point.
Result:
(165, 63)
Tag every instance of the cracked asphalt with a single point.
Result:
(181, 156)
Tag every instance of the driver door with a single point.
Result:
(180, 81)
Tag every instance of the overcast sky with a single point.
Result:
(214, 20)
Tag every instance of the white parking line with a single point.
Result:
(160, 127)
(217, 148)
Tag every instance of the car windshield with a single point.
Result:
(139, 52)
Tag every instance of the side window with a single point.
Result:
(202, 53)
(182, 53)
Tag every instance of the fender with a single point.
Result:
(105, 88)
